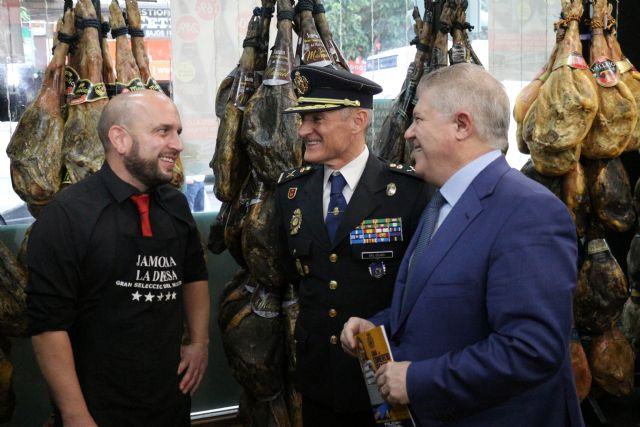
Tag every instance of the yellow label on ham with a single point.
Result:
(573, 60)
(134, 85)
(87, 91)
(71, 78)
(597, 245)
(625, 65)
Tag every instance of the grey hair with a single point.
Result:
(346, 113)
(471, 88)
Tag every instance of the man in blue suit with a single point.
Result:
(481, 315)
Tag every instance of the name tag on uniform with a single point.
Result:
(376, 255)
(380, 230)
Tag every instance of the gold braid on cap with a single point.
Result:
(345, 102)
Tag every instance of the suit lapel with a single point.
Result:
(363, 201)
(311, 202)
(463, 213)
(401, 280)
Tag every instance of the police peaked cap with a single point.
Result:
(325, 88)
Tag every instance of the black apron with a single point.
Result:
(131, 375)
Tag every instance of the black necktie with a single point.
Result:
(337, 204)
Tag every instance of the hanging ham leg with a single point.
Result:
(610, 193)
(580, 367)
(325, 33)
(601, 290)
(628, 75)
(138, 47)
(630, 320)
(567, 103)
(612, 362)
(230, 163)
(13, 307)
(617, 112)
(271, 137)
(310, 50)
(390, 143)
(127, 72)
(530, 92)
(82, 149)
(268, 7)
(35, 148)
(441, 43)
(575, 194)
(108, 70)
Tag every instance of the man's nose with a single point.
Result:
(304, 129)
(176, 143)
(409, 133)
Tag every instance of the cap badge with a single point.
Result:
(301, 83)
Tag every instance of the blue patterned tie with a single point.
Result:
(337, 204)
(430, 216)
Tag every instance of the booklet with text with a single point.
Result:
(373, 352)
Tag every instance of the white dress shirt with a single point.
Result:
(352, 172)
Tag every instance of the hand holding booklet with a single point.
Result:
(373, 352)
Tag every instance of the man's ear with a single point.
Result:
(360, 118)
(464, 124)
(120, 139)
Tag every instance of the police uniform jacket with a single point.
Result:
(345, 278)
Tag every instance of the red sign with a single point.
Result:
(188, 28)
(357, 66)
(207, 9)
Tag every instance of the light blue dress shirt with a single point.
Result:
(458, 183)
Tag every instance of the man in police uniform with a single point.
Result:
(346, 221)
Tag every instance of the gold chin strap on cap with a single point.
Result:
(330, 101)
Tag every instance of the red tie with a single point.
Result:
(142, 202)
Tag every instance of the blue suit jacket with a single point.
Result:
(487, 321)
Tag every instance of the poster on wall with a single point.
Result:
(11, 49)
(524, 27)
(207, 40)
(193, 87)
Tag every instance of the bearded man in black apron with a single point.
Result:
(114, 262)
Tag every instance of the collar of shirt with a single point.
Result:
(458, 183)
(352, 172)
(119, 189)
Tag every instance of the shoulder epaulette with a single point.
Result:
(401, 168)
(294, 173)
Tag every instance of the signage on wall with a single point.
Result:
(156, 22)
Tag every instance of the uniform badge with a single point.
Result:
(377, 269)
(301, 83)
(296, 221)
(292, 193)
(299, 267)
(391, 189)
